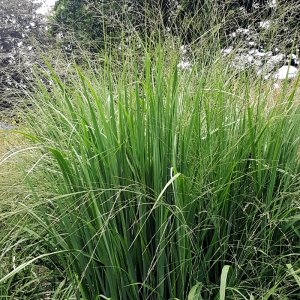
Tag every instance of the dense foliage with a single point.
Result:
(21, 30)
(93, 21)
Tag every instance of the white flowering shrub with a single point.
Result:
(21, 32)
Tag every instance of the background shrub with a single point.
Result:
(93, 21)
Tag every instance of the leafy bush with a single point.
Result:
(94, 21)
(21, 32)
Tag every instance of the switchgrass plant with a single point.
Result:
(161, 183)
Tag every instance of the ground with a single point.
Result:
(10, 175)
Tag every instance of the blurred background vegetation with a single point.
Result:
(86, 26)
(93, 20)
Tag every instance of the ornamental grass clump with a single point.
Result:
(155, 180)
